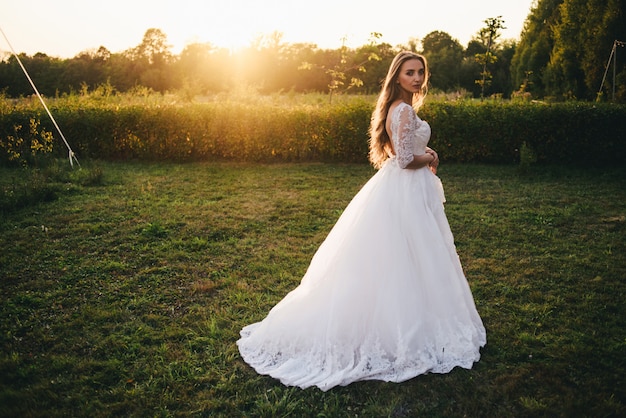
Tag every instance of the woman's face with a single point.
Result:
(411, 76)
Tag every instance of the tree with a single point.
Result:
(202, 68)
(564, 48)
(153, 48)
(376, 68)
(501, 81)
(470, 67)
(45, 71)
(151, 59)
(584, 35)
(345, 64)
(445, 56)
(293, 77)
(267, 56)
(532, 54)
(488, 36)
(87, 69)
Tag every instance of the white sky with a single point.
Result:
(63, 28)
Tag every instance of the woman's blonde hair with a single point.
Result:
(390, 93)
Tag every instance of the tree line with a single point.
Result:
(268, 65)
(562, 54)
(565, 47)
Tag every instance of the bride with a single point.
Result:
(385, 296)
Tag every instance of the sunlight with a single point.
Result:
(235, 24)
(226, 26)
(232, 41)
(232, 38)
(239, 23)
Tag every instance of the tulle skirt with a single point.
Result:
(384, 297)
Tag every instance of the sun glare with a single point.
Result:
(236, 24)
(226, 26)
(225, 37)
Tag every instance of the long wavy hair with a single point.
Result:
(391, 91)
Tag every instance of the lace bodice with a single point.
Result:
(409, 134)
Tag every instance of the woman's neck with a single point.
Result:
(407, 98)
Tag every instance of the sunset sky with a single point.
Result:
(63, 28)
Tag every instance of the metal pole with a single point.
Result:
(72, 156)
(614, 66)
(608, 64)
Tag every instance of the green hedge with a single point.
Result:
(493, 132)
(484, 132)
(208, 131)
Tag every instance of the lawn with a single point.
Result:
(124, 297)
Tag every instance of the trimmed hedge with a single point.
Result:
(465, 131)
(573, 133)
(210, 131)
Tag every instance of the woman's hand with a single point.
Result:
(435, 163)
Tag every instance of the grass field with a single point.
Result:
(124, 297)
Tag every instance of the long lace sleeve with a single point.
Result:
(403, 135)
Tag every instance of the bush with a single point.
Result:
(24, 143)
(283, 129)
(572, 133)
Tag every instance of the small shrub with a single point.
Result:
(527, 158)
(154, 230)
(25, 146)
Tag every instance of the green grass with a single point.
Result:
(125, 296)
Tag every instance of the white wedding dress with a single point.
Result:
(385, 296)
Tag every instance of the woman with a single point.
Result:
(385, 296)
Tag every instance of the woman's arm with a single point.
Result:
(420, 161)
(403, 145)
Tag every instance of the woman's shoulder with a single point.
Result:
(397, 105)
(400, 106)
